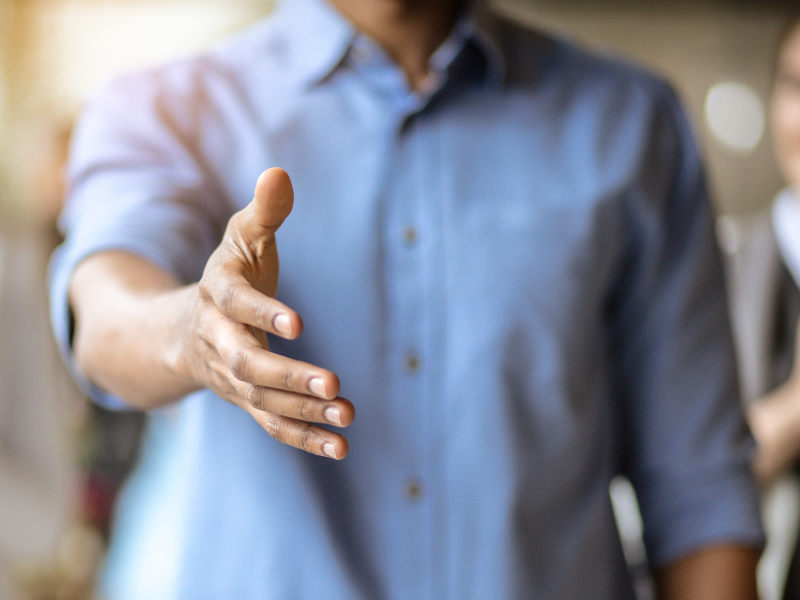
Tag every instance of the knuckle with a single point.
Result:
(239, 364)
(226, 298)
(290, 380)
(273, 427)
(205, 328)
(255, 397)
(203, 289)
(204, 333)
(306, 439)
(307, 410)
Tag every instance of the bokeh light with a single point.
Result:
(735, 115)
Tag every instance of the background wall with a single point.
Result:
(55, 52)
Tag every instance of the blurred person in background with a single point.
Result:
(765, 268)
(502, 245)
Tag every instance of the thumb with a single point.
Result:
(272, 203)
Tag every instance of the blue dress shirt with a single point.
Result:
(513, 272)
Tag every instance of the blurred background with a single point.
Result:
(62, 461)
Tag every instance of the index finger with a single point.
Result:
(242, 303)
(250, 363)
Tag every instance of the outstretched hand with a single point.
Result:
(228, 347)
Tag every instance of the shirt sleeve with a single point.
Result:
(687, 446)
(136, 183)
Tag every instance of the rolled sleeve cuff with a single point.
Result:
(715, 507)
(62, 265)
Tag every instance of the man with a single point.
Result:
(501, 246)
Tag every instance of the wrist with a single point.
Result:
(180, 356)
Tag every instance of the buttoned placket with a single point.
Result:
(413, 254)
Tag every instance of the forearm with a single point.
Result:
(130, 317)
(775, 421)
(724, 572)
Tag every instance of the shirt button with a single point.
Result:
(412, 362)
(410, 236)
(413, 490)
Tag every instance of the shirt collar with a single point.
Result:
(474, 31)
(486, 35)
(319, 38)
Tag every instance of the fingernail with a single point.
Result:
(329, 450)
(317, 387)
(282, 324)
(332, 415)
